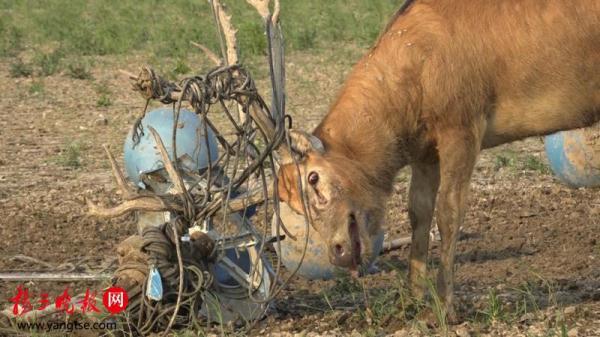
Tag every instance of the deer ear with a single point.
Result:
(287, 187)
(304, 142)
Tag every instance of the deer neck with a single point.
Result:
(372, 121)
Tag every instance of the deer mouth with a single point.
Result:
(354, 244)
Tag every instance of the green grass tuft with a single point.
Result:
(505, 159)
(438, 308)
(511, 159)
(181, 68)
(79, 70)
(48, 63)
(70, 156)
(104, 101)
(533, 163)
(36, 88)
(18, 68)
(495, 310)
(105, 95)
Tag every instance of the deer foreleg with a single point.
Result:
(421, 203)
(458, 153)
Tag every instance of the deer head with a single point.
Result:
(340, 199)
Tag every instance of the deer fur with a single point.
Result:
(446, 79)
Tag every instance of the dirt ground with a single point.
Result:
(528, 261)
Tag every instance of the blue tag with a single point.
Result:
(154, 288)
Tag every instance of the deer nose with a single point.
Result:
(340, 255)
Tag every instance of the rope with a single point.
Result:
(182, 289)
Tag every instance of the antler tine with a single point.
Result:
(228, 31)
(173, 174)
(131, 76)
(261, 6)
(118, 175)
(135, 202)
(209, 53)
(144, 203)
(276, 10)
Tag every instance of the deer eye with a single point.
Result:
(313, 178)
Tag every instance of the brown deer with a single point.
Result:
(446, 79)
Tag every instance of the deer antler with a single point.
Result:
(229, 32)
(276, 10)
(134, 201)
(118, 175)
(257, 113)
(160, 203)
(261, 6)
(174, 176)
(209, 53)
(153, 86)
(224, 20)
(141, 203)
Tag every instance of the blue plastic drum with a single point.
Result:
(574, 156)
(193, 151)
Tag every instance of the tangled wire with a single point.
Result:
(228, 185)
(157, 248)
(221, 85)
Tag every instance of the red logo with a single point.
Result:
(115, 299)
(21, 303)
(63, 302)
(44, 301)
(88, 304)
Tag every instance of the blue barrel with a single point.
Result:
(193, 150)
(574, 156)
(315, 265)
